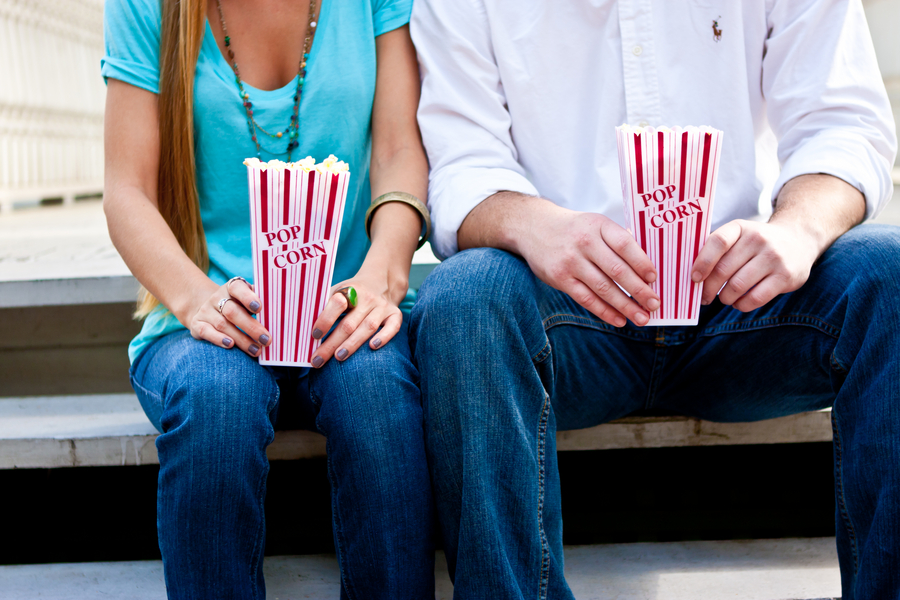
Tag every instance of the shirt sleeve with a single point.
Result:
(826, 101)
(388, 15)
(466, 127)
(131, 32)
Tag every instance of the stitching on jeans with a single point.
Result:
(768, 322)
(338, 531)
(542, 447)
(259, 549)
(841, 500)
(837, 365)
(543, 353)
(659, 361)
(569, 319)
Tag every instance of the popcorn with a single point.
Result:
(296, 211)
(668, 185)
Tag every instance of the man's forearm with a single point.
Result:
(825, 207)
(503, 221)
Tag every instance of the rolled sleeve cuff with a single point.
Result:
(848, 157)
(454, 193)
(136, 74)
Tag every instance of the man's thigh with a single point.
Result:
(791, 355)
(597, 372)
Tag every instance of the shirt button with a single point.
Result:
(637, 50)
(643, 124)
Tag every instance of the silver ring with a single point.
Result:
(221, 305)
(237, 278)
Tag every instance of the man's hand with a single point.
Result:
(581, 254)
(759, 261)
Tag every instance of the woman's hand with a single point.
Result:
(235, 326)
(378, 299)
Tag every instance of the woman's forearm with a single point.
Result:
(149, 248)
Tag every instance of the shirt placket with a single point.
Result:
(642, 105)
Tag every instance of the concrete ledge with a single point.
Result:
(64, 292)
(737, 570)
(111, 430)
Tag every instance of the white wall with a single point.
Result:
(51, 97)
(884, 23)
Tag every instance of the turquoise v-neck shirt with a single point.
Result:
(335, 118)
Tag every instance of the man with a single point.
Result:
(523, 331)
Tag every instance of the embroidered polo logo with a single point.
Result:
(717, 33)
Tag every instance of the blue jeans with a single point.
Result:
(506, 361)
(217, 410)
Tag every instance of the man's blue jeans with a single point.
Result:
(218, 409)
(506, 361)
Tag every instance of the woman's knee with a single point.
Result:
(218, 395)
(371, 401)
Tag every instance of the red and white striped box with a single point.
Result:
(668, 184)
(296, 211)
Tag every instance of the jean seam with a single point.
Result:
(659, 361)
(839, 484)
(259, 547)
(339, 532)
(837, 365)
(570, 319)
(543, 353)
(542, 451)
(769, 322)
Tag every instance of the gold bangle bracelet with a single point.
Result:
(406, 199)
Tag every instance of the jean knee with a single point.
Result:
(869, 257)
(220, 398)
(474, 284)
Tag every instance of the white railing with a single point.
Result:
(51, 99)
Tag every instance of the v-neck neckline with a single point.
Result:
(225, 71)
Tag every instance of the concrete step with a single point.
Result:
(111, 430)
(737, 570)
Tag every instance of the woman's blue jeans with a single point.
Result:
(217, 410)
(506, 361)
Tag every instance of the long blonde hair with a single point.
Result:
(183, 22)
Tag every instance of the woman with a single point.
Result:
(194, 88)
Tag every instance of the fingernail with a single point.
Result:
(653, 304)
(254, 306)
(264, 340)
(704, 302)
(342, 354)
(227, 341)
(317, 333)
(376, 343)
(650, 277)
(696, 277)
(254, 348)
(641, 319)
(620, 322)
(317, 361)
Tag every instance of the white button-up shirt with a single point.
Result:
(524, 96)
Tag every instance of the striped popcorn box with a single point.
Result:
(668, 184)
(296, 211)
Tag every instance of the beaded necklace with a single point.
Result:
(293, 128)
